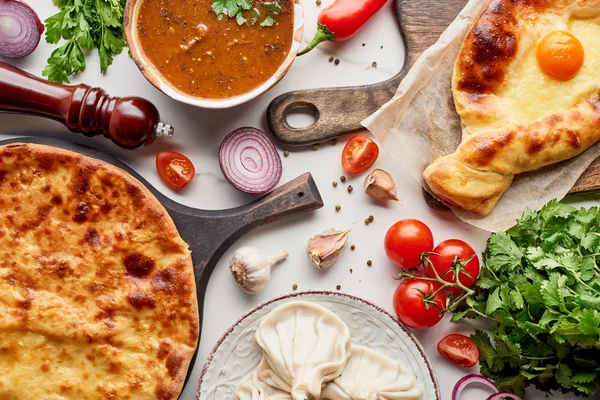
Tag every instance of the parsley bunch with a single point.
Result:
(541, 286)
(85, 25)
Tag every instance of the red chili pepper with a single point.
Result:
(341, 20)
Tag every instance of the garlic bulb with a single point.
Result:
(379, 185)
(325, 248)
(251, 270)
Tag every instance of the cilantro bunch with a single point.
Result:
(541, 286)
(85, 25)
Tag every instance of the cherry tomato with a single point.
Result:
(459, 350)
(406, 240)
(410, 306)
(359, 154)
(175, 169)
(560, 55)
(448, 251)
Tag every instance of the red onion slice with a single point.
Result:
(471, 379)
(501, 396)
(250, 161)
(20, 29)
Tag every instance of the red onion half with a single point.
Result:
(471, 379)
(250, 161)
(20, 29)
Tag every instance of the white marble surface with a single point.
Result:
(199, 134)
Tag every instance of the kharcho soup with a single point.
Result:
(216, 49)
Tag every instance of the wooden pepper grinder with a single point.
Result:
(130, 122)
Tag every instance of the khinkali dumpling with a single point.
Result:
(305, 345)
(254, 388)
(371, 376)
(267, 375)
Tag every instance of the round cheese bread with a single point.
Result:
(516, 117)
(97, 292)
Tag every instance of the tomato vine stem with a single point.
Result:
(458, 267)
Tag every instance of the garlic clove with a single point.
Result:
(325, 248)
(251, 270)
(379, 185)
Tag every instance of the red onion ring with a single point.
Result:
(250, 161)
(20, 29)
(470, 379)
(501, 396)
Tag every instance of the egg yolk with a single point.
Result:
(560, 55)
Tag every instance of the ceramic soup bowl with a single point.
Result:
(153, 75)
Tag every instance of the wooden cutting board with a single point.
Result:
(210, 233)
(340, 110)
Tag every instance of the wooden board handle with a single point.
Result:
(213, 232)
(336, 110)
(130, 122)
(294, 197)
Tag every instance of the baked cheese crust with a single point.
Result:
(97, 292)
(498, 87)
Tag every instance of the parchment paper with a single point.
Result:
(420, 124)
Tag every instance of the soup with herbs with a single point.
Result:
(216, 49)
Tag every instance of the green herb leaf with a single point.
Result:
(553, 291)
(64, 62)
(563, 375)
(459, 315)
(589, 322)
(487, 352)
(591, 242)
(240, 19)
(273, 7)
(54, 27)
(584, 377)
(516, 300)
(502, 253)
(268, 21)
(493, 302)
(255, 16)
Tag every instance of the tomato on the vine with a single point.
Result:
(459, 350)
(406, 240)
(445, 255)
(175, 169)
(411, 306)
(359, 154)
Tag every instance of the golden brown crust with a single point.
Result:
(485, 164)
(97, 293)
(488, 48)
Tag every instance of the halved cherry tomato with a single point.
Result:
(459, 350)
(410, 306)
(359, 154)
(175, 169)
(406, 240)
(450, 250)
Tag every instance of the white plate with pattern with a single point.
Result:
(237, 353)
